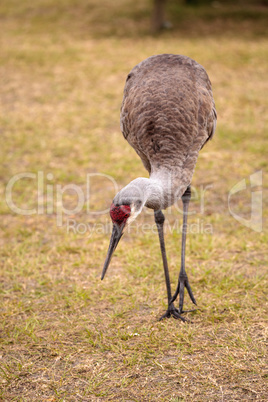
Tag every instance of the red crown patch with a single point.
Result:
(120, 214)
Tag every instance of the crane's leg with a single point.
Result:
(171, 311)
(183, 279)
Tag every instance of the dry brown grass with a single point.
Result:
(65, 335)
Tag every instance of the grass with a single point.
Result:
(65, 335)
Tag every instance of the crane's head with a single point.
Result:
(122, 214)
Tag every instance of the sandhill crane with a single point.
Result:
(167, 115)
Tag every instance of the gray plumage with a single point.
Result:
(167, 115)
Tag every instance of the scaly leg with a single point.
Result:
(183, 279)
(171, 311)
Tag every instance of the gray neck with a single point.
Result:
(158, 192)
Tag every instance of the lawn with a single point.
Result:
(65, 334)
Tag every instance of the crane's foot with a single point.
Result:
(183, 283)
(172, 311)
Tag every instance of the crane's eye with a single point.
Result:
(119, 214)
(129, 76)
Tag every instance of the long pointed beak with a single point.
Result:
(117, 233)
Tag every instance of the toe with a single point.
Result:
(176, 315)
(188, 287)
